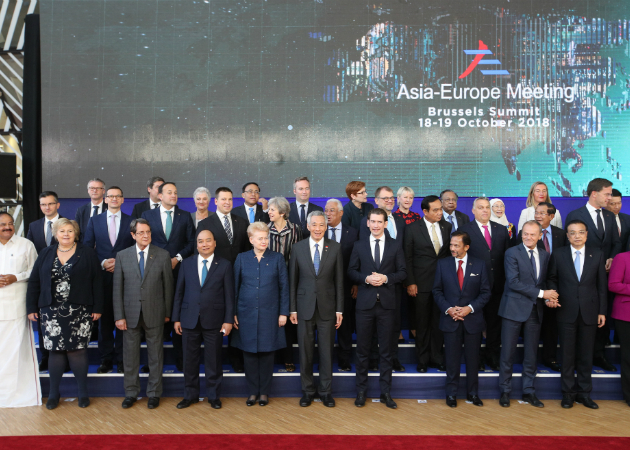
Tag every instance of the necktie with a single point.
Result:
(303, 216)
(252, 216)
(391, 227)
(169, 224)
(141, 265)
(204, 271)
(436, 240)
(316, 259)
(95, 211)
(228, 229)
(454, 226)
(460, 275)
(618, 224)
(112, 229)
(533, 261)
(377, 253)
(486, 234)
(576, 263)
(546, 241)
(49, 233)
(333, 236)
(600, 224)
(157, 205)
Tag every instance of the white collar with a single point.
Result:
(118, 214)
(146, 250)
(535, 249)
(465, 259)
(312, 242)
(573, 250)
(479, 224)
(382, 238)
(53, 220)
(591, 208)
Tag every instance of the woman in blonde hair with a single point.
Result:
(537, 193)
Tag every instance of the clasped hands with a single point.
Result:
(7, 280)
(376, 279)
(551, 298)
(459, 312)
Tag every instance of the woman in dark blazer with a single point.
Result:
(357, 208)
(262, 306)
(66, 290)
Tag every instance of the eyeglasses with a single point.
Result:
(143, 233)
(50, 205)
(115, 196)
(388, 199)
(361, 193)
(251, 191)
(95, 189)
(575, 233)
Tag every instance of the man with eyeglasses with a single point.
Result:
(622, 219)
(97, 205)
(604, 235)
(302, 206)
(578, 273)
(449, 207)
(108, 233)
(251, 209)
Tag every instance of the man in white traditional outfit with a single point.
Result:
(19, 375)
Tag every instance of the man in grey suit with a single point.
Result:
(316, 291)
(143, 300)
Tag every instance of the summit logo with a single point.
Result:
(479, 54)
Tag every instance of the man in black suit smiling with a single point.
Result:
(302, 206)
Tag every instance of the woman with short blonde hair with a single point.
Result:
(537, 193)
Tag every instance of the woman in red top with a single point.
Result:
(405, 201)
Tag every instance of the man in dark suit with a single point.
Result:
(108, 233)
(377, 265)
(230, 234)
(460, 290)
(203, 310)
(450, 214)
(153, 188)
(622, 219)
(552, 238)
(143, 301)
(96, 206)
(302, 206)
(251, 210)
(489, 242)
(521, 308)
(346, 236)
(41, 235)
(316, 295)
(604, 235)
(426, 241)
(173, 230)
(578, 274)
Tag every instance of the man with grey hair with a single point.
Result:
(346, 236)
(449, 207)
(302, 206)
(97, 205)
(316, 303)
(489, 242)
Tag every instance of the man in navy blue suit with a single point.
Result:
(96, 206)
(251, 210)
(109, 233)
(461, 289)
(377, 265)
(522, 308)
(203, 310)
(41, 235)
(622, 219)
(173, 230)
(153, 188)
(302, 206)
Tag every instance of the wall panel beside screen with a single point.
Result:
(8, 178)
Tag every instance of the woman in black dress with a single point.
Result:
(66, 289)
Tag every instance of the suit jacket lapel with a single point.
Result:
(148, 262)
(524, 255)
(136, 264)
(323, 252)
(469, 266)
(425, 232)
(446, 237)
(176, 221)
(124, 225)
(211, 268)
(215, 218)
(479, 234)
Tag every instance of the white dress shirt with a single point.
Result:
(146, 254)
(99, 211)
(438, 231)
(53, 220)
(221, 219)
(465, 260)
(200, 264)
(618, 222)
(582, 252)
(480, 225)
(537, 259)
(593, 212)
(17, 257)
(381, 245)
(338, 227)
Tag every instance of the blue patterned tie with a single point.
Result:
(95, 212)
(453, 226)
(533, 261)
(316, 259)
(141, 265)
(333, 236)
(204, 271)
(252, 216)
(228, 229)
(49, 233)
(169, 224)
(576, 263)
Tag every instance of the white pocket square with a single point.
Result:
(474, 274)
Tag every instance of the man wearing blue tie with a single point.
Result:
(449, 206)
(251, 210)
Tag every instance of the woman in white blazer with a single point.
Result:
(537, 193)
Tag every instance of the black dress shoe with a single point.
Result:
(179, 365)
(264, 400)
(604, 364)
(345, 366)
(215, 403)
(422, 368)
(84, 402)
(494, 364)
(105, 367)
(482, 366)
(504, 400)
(306, 400)
(52, 403)
(397, 366)
(441, 367)
(186, 403)
(373, 365)
(553, 365)
(328, 401)
(238, 368)
(451, 401)
(153, 402)
(475, 400)
(533, 400)
(145, 369)
(120, 367)
(586, 401)
(43, 365)
(360, 400)
(251, 400)
(128, 402)
(567, 401)
(387, 400)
